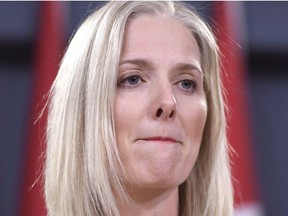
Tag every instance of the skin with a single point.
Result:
(160, 112)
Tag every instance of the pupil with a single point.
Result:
(186, 84)
(133, 80)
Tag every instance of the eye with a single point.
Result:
(187, 85)
(130, 81)
(133, 80)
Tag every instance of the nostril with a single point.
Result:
(159, 112)
(171, 114)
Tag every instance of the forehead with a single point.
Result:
(145, 28)
(159, 37)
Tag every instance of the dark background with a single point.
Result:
(266, 51)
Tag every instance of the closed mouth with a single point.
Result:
(160, 139)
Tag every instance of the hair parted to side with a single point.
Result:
(83, 170)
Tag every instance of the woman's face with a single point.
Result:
(160, 105)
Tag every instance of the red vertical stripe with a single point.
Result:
(228, 15)
(49, 48)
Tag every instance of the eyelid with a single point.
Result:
(128, 74)
(125, 76)
(183, 76)
(190, 90)
(179, 79)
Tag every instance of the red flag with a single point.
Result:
(229, 20)
(49, 48)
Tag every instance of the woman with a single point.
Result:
(136, 122)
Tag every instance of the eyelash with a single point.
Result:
(193, 85)
(124, 81)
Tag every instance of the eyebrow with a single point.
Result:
(139, 62)
(149, 65)
(189, 66)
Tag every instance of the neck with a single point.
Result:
(148, 202)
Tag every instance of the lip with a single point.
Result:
(160, 139)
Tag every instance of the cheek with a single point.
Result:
(122, 120)
(194, 119)
(194, 123)
(127, 115)
(122, 124)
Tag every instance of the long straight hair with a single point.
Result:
(83, 169)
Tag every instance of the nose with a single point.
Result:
(164, 103)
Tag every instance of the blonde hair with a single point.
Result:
(82, 170)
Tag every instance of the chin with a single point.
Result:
(160, 180)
